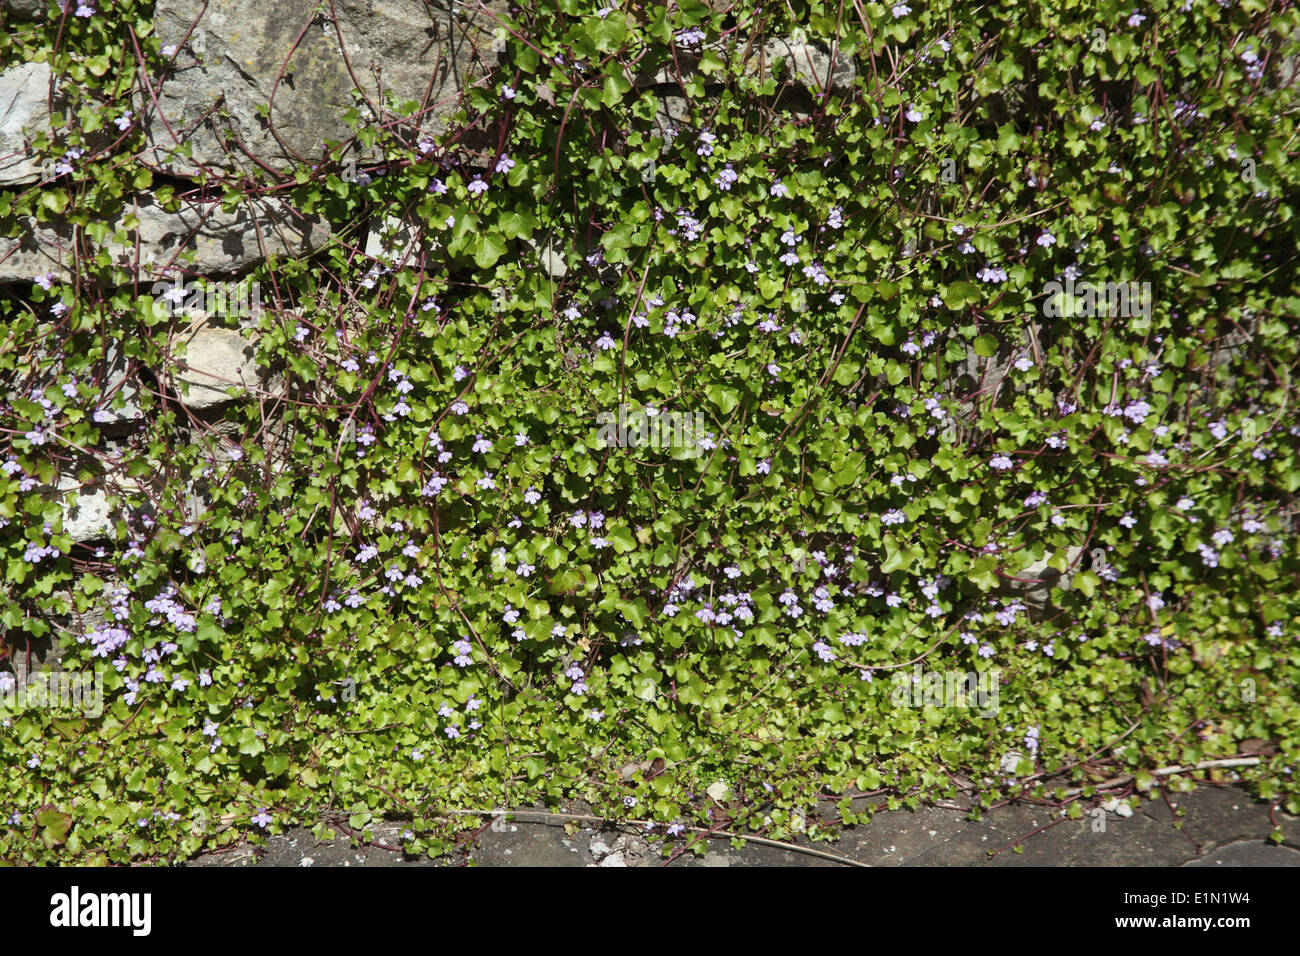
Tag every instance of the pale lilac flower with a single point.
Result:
(461, 649)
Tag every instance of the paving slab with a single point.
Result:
(1213, 826)
(1249, 853)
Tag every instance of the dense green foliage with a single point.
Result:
(399, 620)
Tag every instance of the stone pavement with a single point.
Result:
(1210, 827)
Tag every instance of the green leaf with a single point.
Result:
(489, 248)
(726, 399)
(959, 294)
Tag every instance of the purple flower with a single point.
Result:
(461, 650)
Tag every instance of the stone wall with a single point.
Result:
(256, 85)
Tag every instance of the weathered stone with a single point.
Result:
(674, 113)
(1250, 853)
(549, 257)
(422, 50)
(392, 239)
(1039, 578)
(90, 517)
(806, 64)
(116, 379)
(24, 9)
(214, 360)
(24, 111)
(221, 242)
